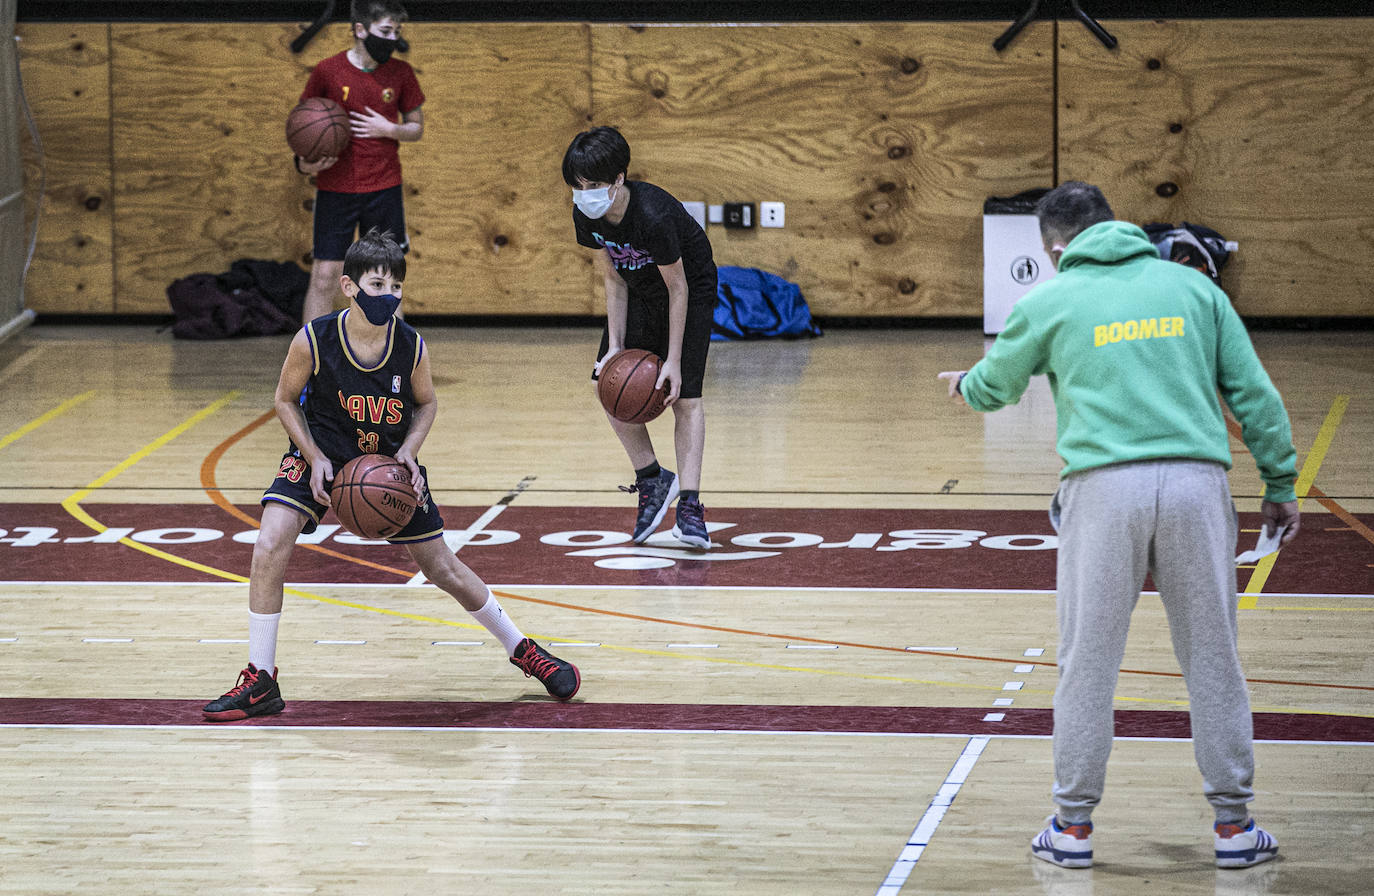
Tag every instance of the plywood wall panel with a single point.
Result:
(489, 215)
(165, 151)
(882, 140)
(66, 73)
(1260, 129)
(202, 172)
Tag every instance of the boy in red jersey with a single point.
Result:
(361, 188)
(364, 352)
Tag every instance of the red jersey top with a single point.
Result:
(367, 165)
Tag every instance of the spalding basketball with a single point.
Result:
(626, 386)
(317, 128)
(372, 496)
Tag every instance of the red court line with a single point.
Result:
(543, 714)
(208, 482)
(1342, 514)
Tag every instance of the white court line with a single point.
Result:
(925, 828)
(482, 522)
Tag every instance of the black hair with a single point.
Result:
(596, 156)
(365, 12)
(375, 250)
(1069, 209)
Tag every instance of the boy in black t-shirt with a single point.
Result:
(372, 393)
(660, 281)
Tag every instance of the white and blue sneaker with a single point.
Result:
(655, 495)
(691, 525)
(1243, 845)
(1067, 847)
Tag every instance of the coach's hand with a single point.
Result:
(1277, 514)
(953, 377)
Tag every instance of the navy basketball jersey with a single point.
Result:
(352, 409)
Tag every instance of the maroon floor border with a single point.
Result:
(969, 721)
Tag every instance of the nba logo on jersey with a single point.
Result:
(395, 384)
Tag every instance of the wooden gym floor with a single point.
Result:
(849, 695)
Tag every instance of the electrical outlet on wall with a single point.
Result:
(739, 215)
(771, 214)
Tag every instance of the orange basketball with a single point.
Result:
(372, 496)
(626, 386)
(318, 127)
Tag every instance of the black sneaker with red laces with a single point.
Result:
(255, 694)
(560, 677)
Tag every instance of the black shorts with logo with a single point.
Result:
(292, 488)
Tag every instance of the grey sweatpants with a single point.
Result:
(1174, 519)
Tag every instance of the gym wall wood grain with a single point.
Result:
(165, 156)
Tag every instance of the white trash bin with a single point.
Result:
(1014, 259)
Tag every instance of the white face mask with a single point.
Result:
(593, 203)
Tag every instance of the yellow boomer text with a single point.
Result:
(1128, 330)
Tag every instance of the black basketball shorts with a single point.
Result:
(646, 327)
(339, 215)
(292, 488)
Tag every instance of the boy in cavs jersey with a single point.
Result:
(371, 391)
(361, 187)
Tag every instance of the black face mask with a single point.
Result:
(380, 48)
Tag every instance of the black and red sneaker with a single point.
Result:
(256, 694)
(560, 677)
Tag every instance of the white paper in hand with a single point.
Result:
(1264, 546)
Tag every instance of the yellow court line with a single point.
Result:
(1325, 435)
(72, 503)
(56, 412)
(152, 446)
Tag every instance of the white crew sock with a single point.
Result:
(262, 640)
(495, 620)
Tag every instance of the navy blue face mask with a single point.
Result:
(377, 309)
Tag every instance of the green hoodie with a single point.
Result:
(1136, 350)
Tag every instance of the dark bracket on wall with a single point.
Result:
(1015, 28)
(313, 28)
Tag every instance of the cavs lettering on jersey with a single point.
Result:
(353, 409)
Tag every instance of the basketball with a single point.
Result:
(372, 496)
(626, 386)
(317, 128)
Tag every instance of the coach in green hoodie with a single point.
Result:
(1136, 350)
